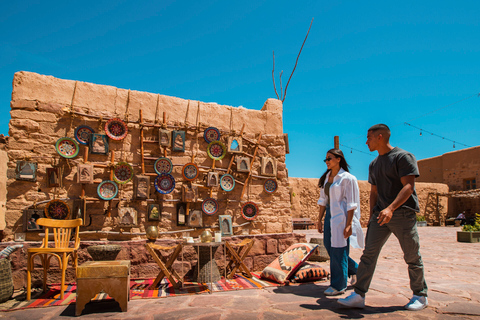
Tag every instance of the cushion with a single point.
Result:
(309, 272)
(286, 264)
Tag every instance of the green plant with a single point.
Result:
(474, 227)
(421, 218)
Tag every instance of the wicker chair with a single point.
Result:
(62, 232)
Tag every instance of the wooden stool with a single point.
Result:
(111, 277)
(166, 269)
(237, 253)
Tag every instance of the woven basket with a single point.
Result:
(321, 253)
(6, 281)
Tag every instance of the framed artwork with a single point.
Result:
(212, 179)
(164, 137)
(141, 187)
(26, 171)
(243, 164)
(268, 167)
(85, 173)
(54, 177)
(225, 223)
(195, 219)
(178, 140)
(181, 214)
(79, 209)
(98, 143)
(235, 145)
(127, 217)
(154, 212)
(30, 217)
(189, 193)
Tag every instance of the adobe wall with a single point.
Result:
(3, 179)
(305, 193)
(41, 114)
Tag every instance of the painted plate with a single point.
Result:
(270, 186)
(116, 129)
(227, 182)
(164, 183)
(82, 134)
(67, 147)
(216, 150)
(107, 190)
(122, 173)
(163, 165)
(211, 134)
(190, 171)
(57, 209)
(210, 206)
(249, 210)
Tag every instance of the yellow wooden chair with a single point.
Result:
(62, 232)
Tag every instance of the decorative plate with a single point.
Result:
(107, 190)
(82, 134)
(216, 150)
(164, 183)
(57, 209)
(67, 147)
(211, 134)
(116, 129)
(210, 206)
(227, 182)
(122, 173)
(249, 210)
(190, 171)
(270, 186)
(163, 165)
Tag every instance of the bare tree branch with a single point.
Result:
(281, 90)
(273, 76)
(285, 93)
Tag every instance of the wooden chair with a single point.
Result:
(237, 252)
(62, 232)
(166, 266)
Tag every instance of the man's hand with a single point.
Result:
(320, 226)
(347, 232)
(385, 216)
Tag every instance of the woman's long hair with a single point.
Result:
(343, 164)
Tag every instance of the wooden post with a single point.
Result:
(164, 124)
(112, 159)
(336, 142)
(251, 162)
(142, 151)
(233, 156)
(82, 196)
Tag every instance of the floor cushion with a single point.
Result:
(309, 271)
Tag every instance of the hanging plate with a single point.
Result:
(164, 183)
(107, 190)
(57, 209)
(116, 129)
(67, 147)
(249, 210)
(210, 206)
(190, 171)
(227, 182)
(82, 134)
(122, 173)
(163, 165)
(216, 150)
(211, 134)
(270, 186)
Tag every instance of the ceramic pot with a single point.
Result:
(152, 232)
(206, 236)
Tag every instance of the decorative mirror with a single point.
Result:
(181, 214)
(243, 164)
(54, 177)
(235, 145)
(127, 217)
(164, 137)
(268, 167)
(225, 223)
(85, 173)
(26, 171)
(154, 212)
(195, 219)
(30, 217)
(178, 141)
(212, 179)
(142, 187)
(98, 144)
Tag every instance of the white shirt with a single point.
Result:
(344, 196)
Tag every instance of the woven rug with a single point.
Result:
(139, 289)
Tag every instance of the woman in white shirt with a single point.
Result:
(340, 200)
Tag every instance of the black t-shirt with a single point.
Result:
(385, 173)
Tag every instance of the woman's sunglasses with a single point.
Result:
(328, 159)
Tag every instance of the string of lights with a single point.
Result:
(436, 135)
(351, 150)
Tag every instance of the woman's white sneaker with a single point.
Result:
(354, 300)
(417, 303)
(333, 292)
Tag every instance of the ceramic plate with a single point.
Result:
(164, 183)
(116, 129)
(82, 134)
(210, 206)
(107, 190)
(190, 171)
(211, 134)
(249, 210)
(227, 182)
(122, 173)
(67, 147)
(216, 150)
(270, 186)
(57, 209)
(163, 165)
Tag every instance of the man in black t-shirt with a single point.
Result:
(393, 203)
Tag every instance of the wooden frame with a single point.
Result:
(195, 219)
(164, 138)
(127, 217)
(243, 164)
(225, 224)
(30, 217)
(85, 173)
(154, 212)
(54, 177)
(236, 149)
(268, 167)
(213, 179)
(98, 143)
(178, 140)
(26, 171)
(141, 188)
(181, 214)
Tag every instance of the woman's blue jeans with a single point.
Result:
(341, 265)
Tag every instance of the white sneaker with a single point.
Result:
(331, 291)
(353, 279)
(417, 303)
(354, 300)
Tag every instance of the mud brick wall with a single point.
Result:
(305, 194)
(41, 114)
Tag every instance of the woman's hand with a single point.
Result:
(320, 226)
(347, 232)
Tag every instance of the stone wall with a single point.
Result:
(305, 193)
(41, 113)
(3, 179)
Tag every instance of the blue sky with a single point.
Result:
(365, 62)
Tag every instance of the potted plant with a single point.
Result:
(470, 233)
(421, 222)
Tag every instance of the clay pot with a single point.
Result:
(104, 252)
(206, 236)
(152, 232)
